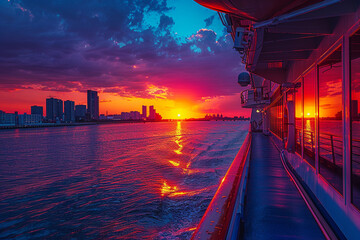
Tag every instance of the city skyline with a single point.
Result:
(57, 109)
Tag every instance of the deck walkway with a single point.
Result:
(274, 208)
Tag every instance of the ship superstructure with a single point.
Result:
(297, 174)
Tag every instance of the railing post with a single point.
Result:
(346, 162)
(332, 149)
(312, 142)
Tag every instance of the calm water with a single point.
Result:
(131, 181)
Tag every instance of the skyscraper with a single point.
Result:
(54, 109)
(37, 110)
(144, 113)
(151, 113)
(93, 105)
(80, 112)
(69, 110)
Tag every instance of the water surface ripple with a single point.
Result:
(118, 181)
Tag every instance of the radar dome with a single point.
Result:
(244, 79)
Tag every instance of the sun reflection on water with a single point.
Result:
(308, 125)
(176, 164)
(173, 191)
(178, 138)
(167, 189)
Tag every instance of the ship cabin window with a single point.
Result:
(298, 119)
(309, 117)
(330, 138)
(276, 115)
(355, 117)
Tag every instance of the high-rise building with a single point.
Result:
(80, 112)
(93, 105)
(37, 110)
(7, 118)
(69, 111)
(144, 113)
(54, 109)
(152, 113)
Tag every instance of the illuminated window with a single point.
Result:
(309, 117)
(330, 120)
(355, 117)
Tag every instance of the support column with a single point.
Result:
(346, 122)
(317, 120)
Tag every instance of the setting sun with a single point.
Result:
(179, 115)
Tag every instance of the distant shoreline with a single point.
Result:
(44, 125)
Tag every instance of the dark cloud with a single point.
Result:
(76, 45)
(165, 22)
(208, 21)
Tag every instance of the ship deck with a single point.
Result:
(274, 208)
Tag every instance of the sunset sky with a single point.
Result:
(172, 54)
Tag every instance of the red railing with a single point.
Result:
(216, 220)
(330, 146)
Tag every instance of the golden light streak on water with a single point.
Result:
(176, 164)
(178, 138)
(167, 189)
(308, 125)
(172, 191)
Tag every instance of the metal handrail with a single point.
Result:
(309, 135)
(217, 218)
(244, 96)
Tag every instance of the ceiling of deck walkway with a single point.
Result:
(277, 46)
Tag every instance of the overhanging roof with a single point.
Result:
(276, 47)
(282, 44)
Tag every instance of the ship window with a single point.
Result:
(330, 119)
(298, 119)
(276, 115)
(309, 117)
(355, 117)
